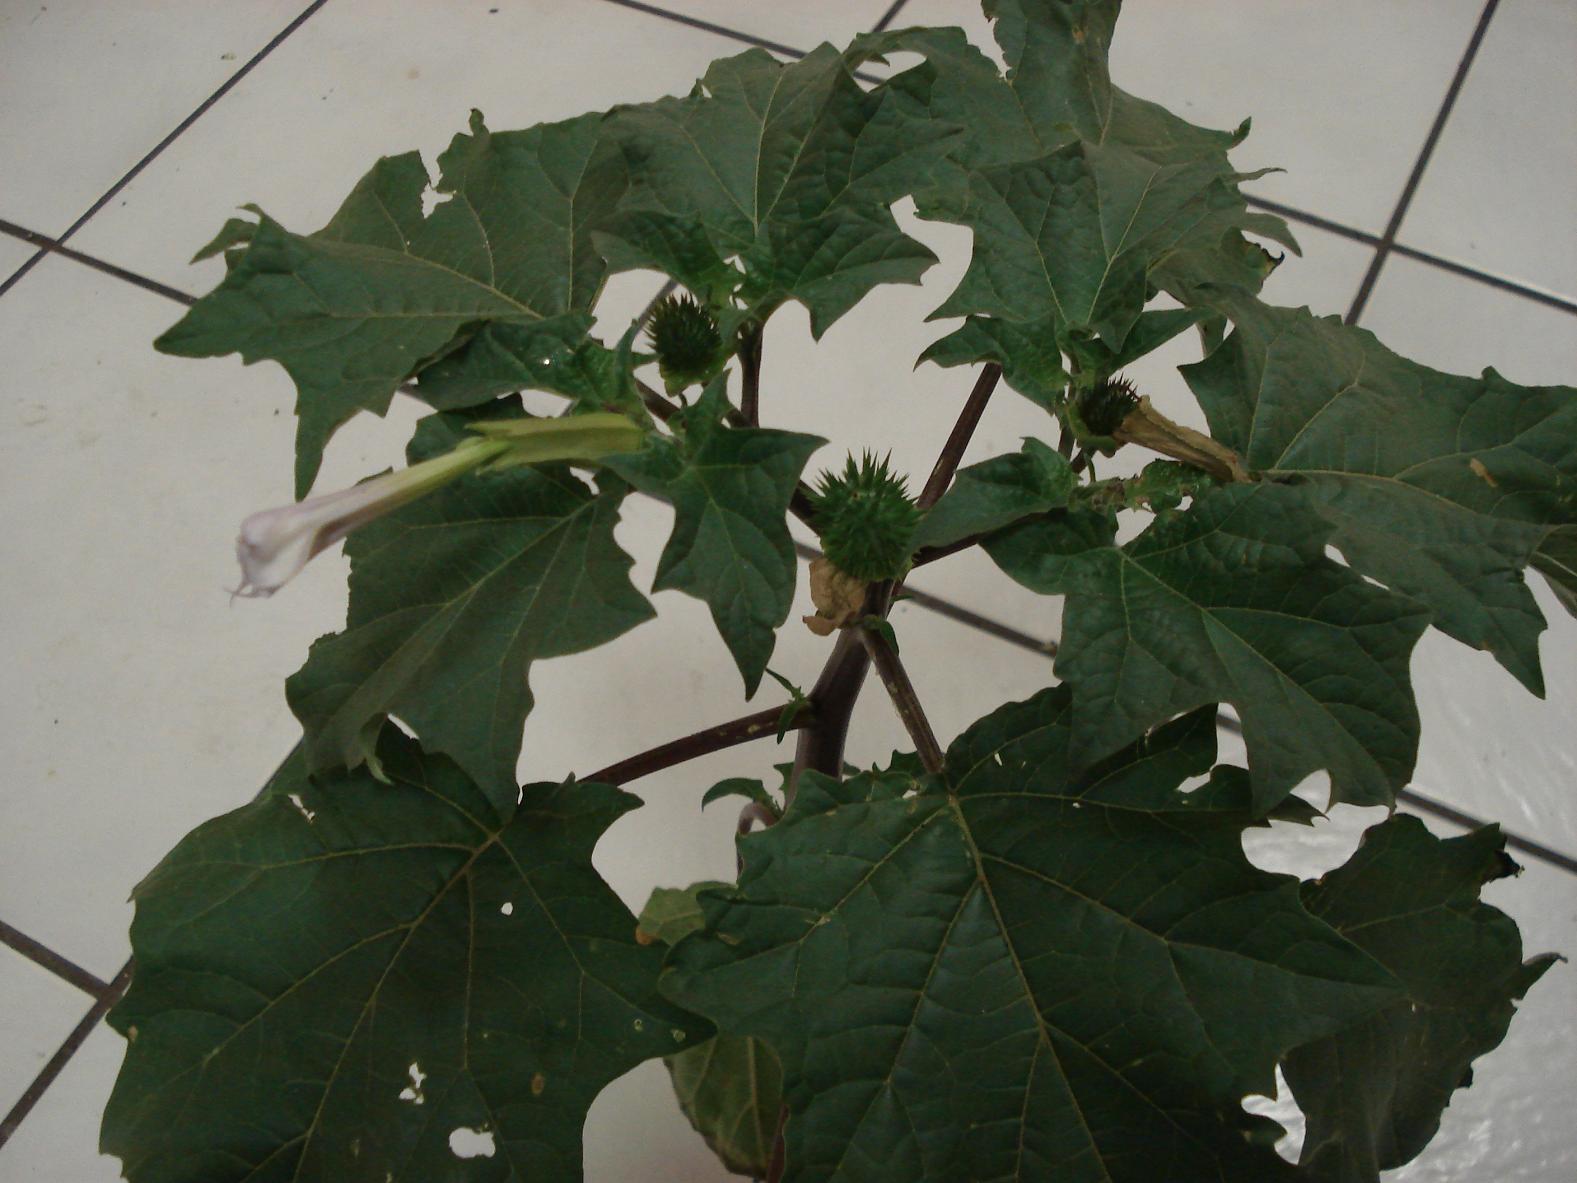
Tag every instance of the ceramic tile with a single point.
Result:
(40, 1011)
(58, 1143)
(802, 26)
(130, 716)
(1342, 93)
(1460, 325)
(360, 81)
(87, 89)
(13, 253)
(1501, 190)
(135, 677)
(1488, 746)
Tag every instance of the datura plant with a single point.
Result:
(1038, 952)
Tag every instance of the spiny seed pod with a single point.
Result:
(1104, 407)
(866, 519)
(684, 336)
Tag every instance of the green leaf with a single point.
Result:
(451, 600)
(791, 168)
(996, 492)
(1028, 354)
(334, 978)
(1556, 560)
(365, 303)
(1083, 198)
(1231, 601)
(740, 786)
(557, 356)
(1035, 975)
(1442, 487)
(730, 547)
(731, 1086)
(1080, 236)
(1373, 1094)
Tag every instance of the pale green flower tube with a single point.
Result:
(274, 544)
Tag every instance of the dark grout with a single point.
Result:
(708, 27)
(41, 954)
(1292, 214)
(889, 16)
(57, 1062)
(1560, 303)
(181, 127)
(1388, 241)
(1308, 219)
(50, 246)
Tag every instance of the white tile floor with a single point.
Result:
(139, 702)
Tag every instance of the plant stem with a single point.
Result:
(958, 439)
(713, 739)
(820, 746)
(901, 690)
(750, 383)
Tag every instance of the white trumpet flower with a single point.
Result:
(274, 544)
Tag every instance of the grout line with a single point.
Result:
(1527, 846)
(202, 108)
(47, 1074)
(1537, 295)
(1298, 215)
(48, 246)
(888, 16)
(1417, 175)
(55, 963)
(707, 26)
(1466, 271)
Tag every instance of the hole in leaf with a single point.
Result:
(464, 1143)
(1284, 1111)
(413, 1091)
(295, 799)
(507, 908)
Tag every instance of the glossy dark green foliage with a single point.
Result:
(1050, 960)
(1449, 509)
(1233, 601)
(1022, 972)
(333, 979)
(1373, 1094)
(730, 548)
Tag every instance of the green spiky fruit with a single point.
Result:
(686, 339)
(866, 519)
(1105, 406)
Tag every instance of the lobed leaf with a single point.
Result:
(1025, 972)
(1083, 199)
(1231, 601)
(789, 167)
(365, 303)
(1374, 1093)
(335, 979)
(451, 600)
(1442, 487)
(730, 547)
